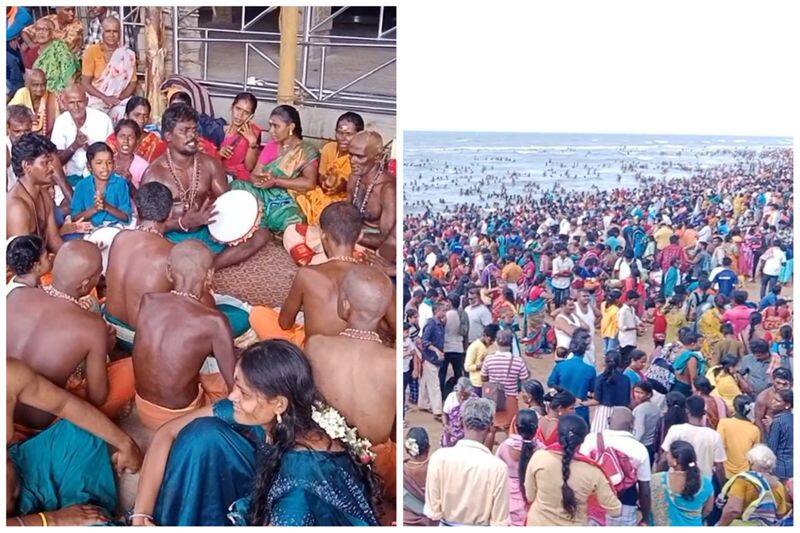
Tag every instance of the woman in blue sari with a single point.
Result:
(258, 457)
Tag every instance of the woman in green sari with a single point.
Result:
(53, 57)
(287, 166)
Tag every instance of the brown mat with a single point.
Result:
(264, 279)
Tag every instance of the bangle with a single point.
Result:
(141, 515)
(44, 519)
(254, 146)
(19, 519)
(180, 224)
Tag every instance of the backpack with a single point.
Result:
(661, 373)
(616, 465)
(763, 511)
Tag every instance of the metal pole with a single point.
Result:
(380, 23)
(176, 64)
(205, 57)
(322, 72)
(289, 22)
(306, 33)
(246, 65)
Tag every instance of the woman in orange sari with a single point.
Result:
(334, 170)
(150, 144)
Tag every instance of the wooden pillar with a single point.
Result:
(155, 57)
(289, 24)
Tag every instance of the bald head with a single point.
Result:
(77, 267)
(621, 419)
(366, 291)
(370, 140)
(190, 260)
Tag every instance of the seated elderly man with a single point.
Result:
(42, 102)
(109, 71)
(75, 129)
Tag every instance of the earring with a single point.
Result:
(279, 418)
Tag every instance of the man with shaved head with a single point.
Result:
(354, 371)
(619, 437)
(42, 103)
(315, 289)
(75, 129)
(372, 191)
(175, 334)
(52, 333)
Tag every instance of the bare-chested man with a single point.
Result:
(175, 334)
(29, 206)
(354, 371)
(315, 289)
(26, 461)
(54, 335)
(195, 181)
(781, 380)
(372, 192)
(137, 262)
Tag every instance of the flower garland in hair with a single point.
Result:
(335, 426)
(412, 447)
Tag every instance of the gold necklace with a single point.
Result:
(187, 294)
(367, 194)
(55, 293)
(148, 229)
(187, 194)
(345, 258)
(360, 334)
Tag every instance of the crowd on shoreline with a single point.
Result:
(689, 425)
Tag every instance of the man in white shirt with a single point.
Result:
(562, 276)
(466, 484)
(425, 309)
(628, 323)
(430, 259)
(771, 262)
(76, 129)
(622, 268)
(620, 437)
(706, 442)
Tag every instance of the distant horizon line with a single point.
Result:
(789, 137)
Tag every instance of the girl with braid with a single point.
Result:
(554, 504)
(516, 452)
(263, 456)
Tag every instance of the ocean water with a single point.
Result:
(439, 166)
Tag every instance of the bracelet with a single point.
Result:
(19, 519)
(141, 515)
(254, 146)
(180, 224)
(44, 519)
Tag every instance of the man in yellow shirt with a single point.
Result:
(609, 327)
(511, 273)
(662, 235)
(476, 353)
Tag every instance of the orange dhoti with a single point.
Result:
(121, 388)
(212, 387)
(264, 322)
(385, 466)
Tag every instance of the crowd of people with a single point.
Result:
(603, 357)
(248, 411)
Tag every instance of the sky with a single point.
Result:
(677, 67)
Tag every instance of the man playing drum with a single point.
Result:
(195, 181)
